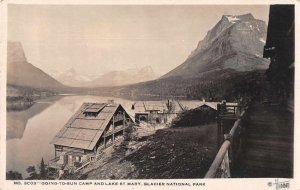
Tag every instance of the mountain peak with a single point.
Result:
(15, 52)
(147, 69)
(22, 73)
(234, 18)
(71, 70)
(235, 42)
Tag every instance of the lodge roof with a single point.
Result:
(94, 108)
(146, 106)
(82, 131)
(188, 105)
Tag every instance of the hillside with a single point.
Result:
(229, 84)
(22, 73)
(235, 42)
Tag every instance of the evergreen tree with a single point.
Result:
(43, 169)
(32, 173)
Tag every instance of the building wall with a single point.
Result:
(280, 49)
(141, 117)
(70, 155)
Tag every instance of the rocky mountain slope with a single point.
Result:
(227, 63)
(72, 78)
(21, 73)
(235, 42)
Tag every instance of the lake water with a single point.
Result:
(29, 132)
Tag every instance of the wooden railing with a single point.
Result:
(53, 163)
(229, 150)
(83, 164)
(115, 131)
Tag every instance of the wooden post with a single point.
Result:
(113, 134)
(104, 143)
(219, 120)
(218, 163)
(124, 118)
(225, 166)
(124, 122)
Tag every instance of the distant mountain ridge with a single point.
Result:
(21, 73)
(235, 42)
(124, 77)
(227, 62)
(72, 78)
(113, 78)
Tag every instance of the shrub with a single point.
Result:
(198, 116)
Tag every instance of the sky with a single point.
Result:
(95, 39)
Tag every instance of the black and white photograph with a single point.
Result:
(144, 92)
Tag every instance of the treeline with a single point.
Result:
(18, 103)
(15, 90)
(20, 98)
(41, 172)
(228, 85)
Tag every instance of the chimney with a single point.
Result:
(132, 107)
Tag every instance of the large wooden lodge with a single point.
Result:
(91, 129)
(96, 126)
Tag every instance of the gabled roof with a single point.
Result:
(146, 106)
(84, 132)
(188, 105)
(155, 106)
(161, 106)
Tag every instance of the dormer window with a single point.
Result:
(90, 114)
(93, 110)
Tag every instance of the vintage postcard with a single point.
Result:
(149, 95)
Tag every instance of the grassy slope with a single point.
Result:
(168, 154)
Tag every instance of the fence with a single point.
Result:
(231, 148)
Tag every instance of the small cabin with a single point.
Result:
(91, 129)
(156, 112)
(153, 112)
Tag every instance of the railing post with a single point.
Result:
(225, 166)
(233, 148)
(225, 161)
(220, 125)
(113, 132)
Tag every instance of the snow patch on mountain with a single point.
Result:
(113, 78)
(232, 19)
(262, 40)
